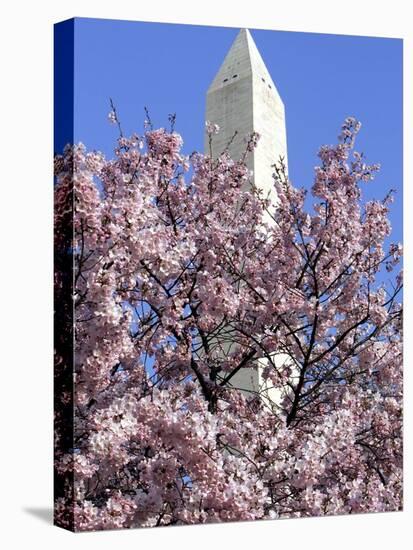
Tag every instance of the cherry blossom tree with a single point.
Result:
(172, 274)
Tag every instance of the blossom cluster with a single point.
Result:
(169, 280)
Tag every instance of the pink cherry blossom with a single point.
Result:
(168, 280)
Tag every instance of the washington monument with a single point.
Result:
(242, 99)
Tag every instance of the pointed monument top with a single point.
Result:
(243, 59)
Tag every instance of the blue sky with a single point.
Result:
(168, 68)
